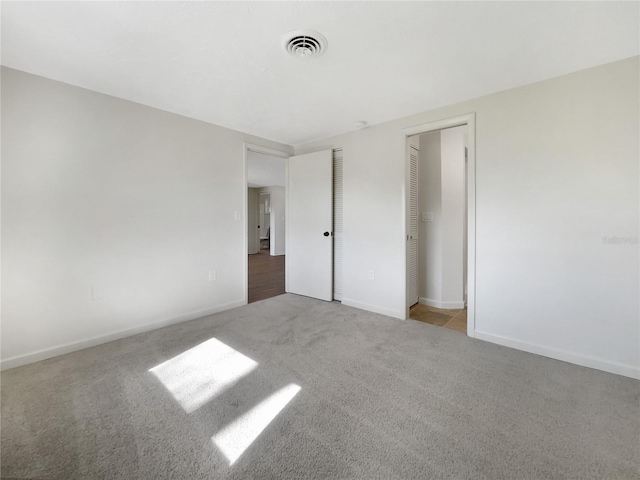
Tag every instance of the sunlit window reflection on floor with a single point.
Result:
(202, 372)
(236, 437)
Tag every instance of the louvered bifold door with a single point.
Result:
(412, 234)
(338, 240)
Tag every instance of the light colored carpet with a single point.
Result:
(378, 398)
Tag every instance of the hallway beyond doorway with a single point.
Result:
(266, 276)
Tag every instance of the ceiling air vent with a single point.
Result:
(304, 43)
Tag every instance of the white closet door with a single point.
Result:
(309, 263)
(412, 234)
(338, 244)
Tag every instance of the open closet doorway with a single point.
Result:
(440, 224)
(266, 222)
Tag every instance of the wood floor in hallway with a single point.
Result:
(266, 276)
(453, 319)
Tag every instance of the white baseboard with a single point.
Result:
(585, 361)
(374, 308)
(43, 354)
(443, 305)
(277, 254)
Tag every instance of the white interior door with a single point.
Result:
(309, 222)
(412, 234)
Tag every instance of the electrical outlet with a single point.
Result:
(427, 216)
(237, 216)
(213, 275)
(96, 293)
(372, 274)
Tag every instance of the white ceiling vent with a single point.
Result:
(304, 43)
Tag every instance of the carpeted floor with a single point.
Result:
(337, 393)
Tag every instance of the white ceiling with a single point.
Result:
(222, 62)
(265, 170)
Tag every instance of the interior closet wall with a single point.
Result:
(452, 169)
(441, 200)
(429, 233)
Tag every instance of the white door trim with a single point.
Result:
(250, 147)
(468, 119)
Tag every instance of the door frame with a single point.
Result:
(250, 147)
(468, 119)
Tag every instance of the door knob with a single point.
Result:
(326, 234)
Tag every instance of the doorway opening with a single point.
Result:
(265, 222)
(440, 287)
(293, 207)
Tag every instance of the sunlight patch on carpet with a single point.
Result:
(236, 437)
(201, 373)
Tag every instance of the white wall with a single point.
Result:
(452, 170)
(140, 203)
(265, 170)
(276, 219)
(465, 221)
(264, 217)
(253, 242)
(103, 193)
(441, 241)
(556, 171)
(277, 242)
(430, 233)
